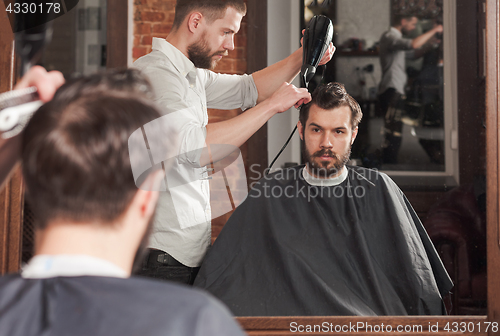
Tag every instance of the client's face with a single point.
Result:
(327, 137)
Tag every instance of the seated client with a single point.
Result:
(326, 238)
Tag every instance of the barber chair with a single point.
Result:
(457, 227)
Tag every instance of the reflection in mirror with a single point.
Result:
(78, 46)
(461, 241)
(426, 115)
(399, 88)
(79, 40)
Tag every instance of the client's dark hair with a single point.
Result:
(330, 96)
(75, 148)
(211, 9)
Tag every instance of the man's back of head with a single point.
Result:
(92, 219)
(75, 150)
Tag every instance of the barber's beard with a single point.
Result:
(140, 254)
(326, 169)
(199, 53)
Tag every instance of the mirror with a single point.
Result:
(411, 135)
(79, 40)
(426, 185)
(466, 172)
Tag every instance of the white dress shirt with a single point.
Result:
(182, 223)
(392, 60)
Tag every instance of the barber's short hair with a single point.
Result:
(330, 96)
(211, 9)
(75, 148)
(397, 18)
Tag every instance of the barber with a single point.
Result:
(179, 68)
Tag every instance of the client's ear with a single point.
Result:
(301, 130)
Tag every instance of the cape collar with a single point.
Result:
(324, 182)
(49, 266)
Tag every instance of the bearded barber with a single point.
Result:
(179, 68)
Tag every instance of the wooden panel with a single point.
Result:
(415, 325)
(11, 210)
(257, 60)
(492, 143)
(11, 196)
(471, 92)
(422, 201)
(117, 34)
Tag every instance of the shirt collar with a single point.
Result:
(397, 32)
(178, 59)
(328, 182)
(49, 266)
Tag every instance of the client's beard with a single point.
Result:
(199, 54)
(321, 169)
(140, 254)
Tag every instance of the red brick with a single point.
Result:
(238, 53)
(138, 52)
(160, 35)
(137, 15)
(243, 28)
(137, 40)
(162, 28)
(240, 40)
(147, 40)
(142, 28)
(240, 66)
(216, 119)
(223, 113)
(152, 16)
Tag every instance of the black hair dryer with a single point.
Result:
(317, 38)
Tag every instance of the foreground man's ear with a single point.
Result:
(354, 134)
(147, 195)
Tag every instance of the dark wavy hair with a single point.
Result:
(330, 96)
(75, 148)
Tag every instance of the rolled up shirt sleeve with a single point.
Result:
(229, 91)
(396, 43)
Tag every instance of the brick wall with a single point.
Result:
(154, 18)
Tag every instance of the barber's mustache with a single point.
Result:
(221, 53)
(326, 152)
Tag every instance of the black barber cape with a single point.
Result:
(91, 306)
(293, 249)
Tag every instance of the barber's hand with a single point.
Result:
(46, 82)
(328, 53)
(288, 95)
(438, 29)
